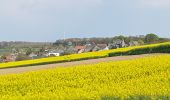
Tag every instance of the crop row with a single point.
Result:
(154, 48)
(140, 79)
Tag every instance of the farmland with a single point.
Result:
(17, 70)
(154, 48)
(146, 78)
(84, 50)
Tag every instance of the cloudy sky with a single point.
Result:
(47, 20)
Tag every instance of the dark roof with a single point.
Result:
(89, 48)
(102, 46)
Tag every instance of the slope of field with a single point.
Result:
(17, 70)
(154, 48)
(144, 78)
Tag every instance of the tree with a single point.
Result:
(141, 42)
(128, 39)
(42, 49)
(121, 37)
(3, 57)
(151, 38)
(28, 51)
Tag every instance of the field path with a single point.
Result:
(69, 64)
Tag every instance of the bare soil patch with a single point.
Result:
(70, 64)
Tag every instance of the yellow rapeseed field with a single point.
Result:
(74, 57)
(144, 78)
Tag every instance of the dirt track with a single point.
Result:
(69, 64)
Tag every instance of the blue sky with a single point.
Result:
(47, 20)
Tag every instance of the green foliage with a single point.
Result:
(21, 57)
(141, 42)
(28, 51)
(154, 48)
(151, 38)
(121, 37)
(3, 57)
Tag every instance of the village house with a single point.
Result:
(55, 53)
(33, 55)
(91, 48)
(117, 44)
(10, 58)
(100, 47)
(80, 49)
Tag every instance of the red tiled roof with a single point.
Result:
(80, 47)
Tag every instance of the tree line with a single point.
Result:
(143, 39)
